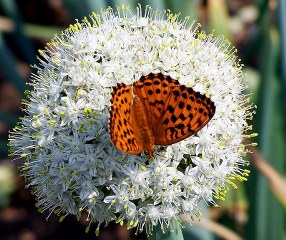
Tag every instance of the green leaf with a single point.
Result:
(40, 31)
(77, 9)
(185, 7)
(194, 231)
(219, 18)
(253, 81)
(126, 3)
(9, 119)
(96, 5)
(173, 233)
(281, 9)
(158, 4)
(7, 184)
(9, 68)
(4, 147)
(275, 180)
(266, 214)
(24, 44)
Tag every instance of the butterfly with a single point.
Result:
(156, 110)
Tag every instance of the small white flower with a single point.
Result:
(71, 164)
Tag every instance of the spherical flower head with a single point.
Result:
(71, 164)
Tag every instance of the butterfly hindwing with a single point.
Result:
(122, 133)
(185, 113)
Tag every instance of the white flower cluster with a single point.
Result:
(71, 164)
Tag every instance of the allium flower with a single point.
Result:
(71, 164)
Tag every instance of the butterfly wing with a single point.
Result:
(174, 111)
(123, 134)
(185, 113)
(153, 90)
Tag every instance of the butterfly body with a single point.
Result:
(156, 110)
(139, 119)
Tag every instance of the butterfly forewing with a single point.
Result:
(123, 134)
(185, 113)
(153, 90)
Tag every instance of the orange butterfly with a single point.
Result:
(156, 110)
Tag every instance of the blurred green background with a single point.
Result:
(257, 28)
